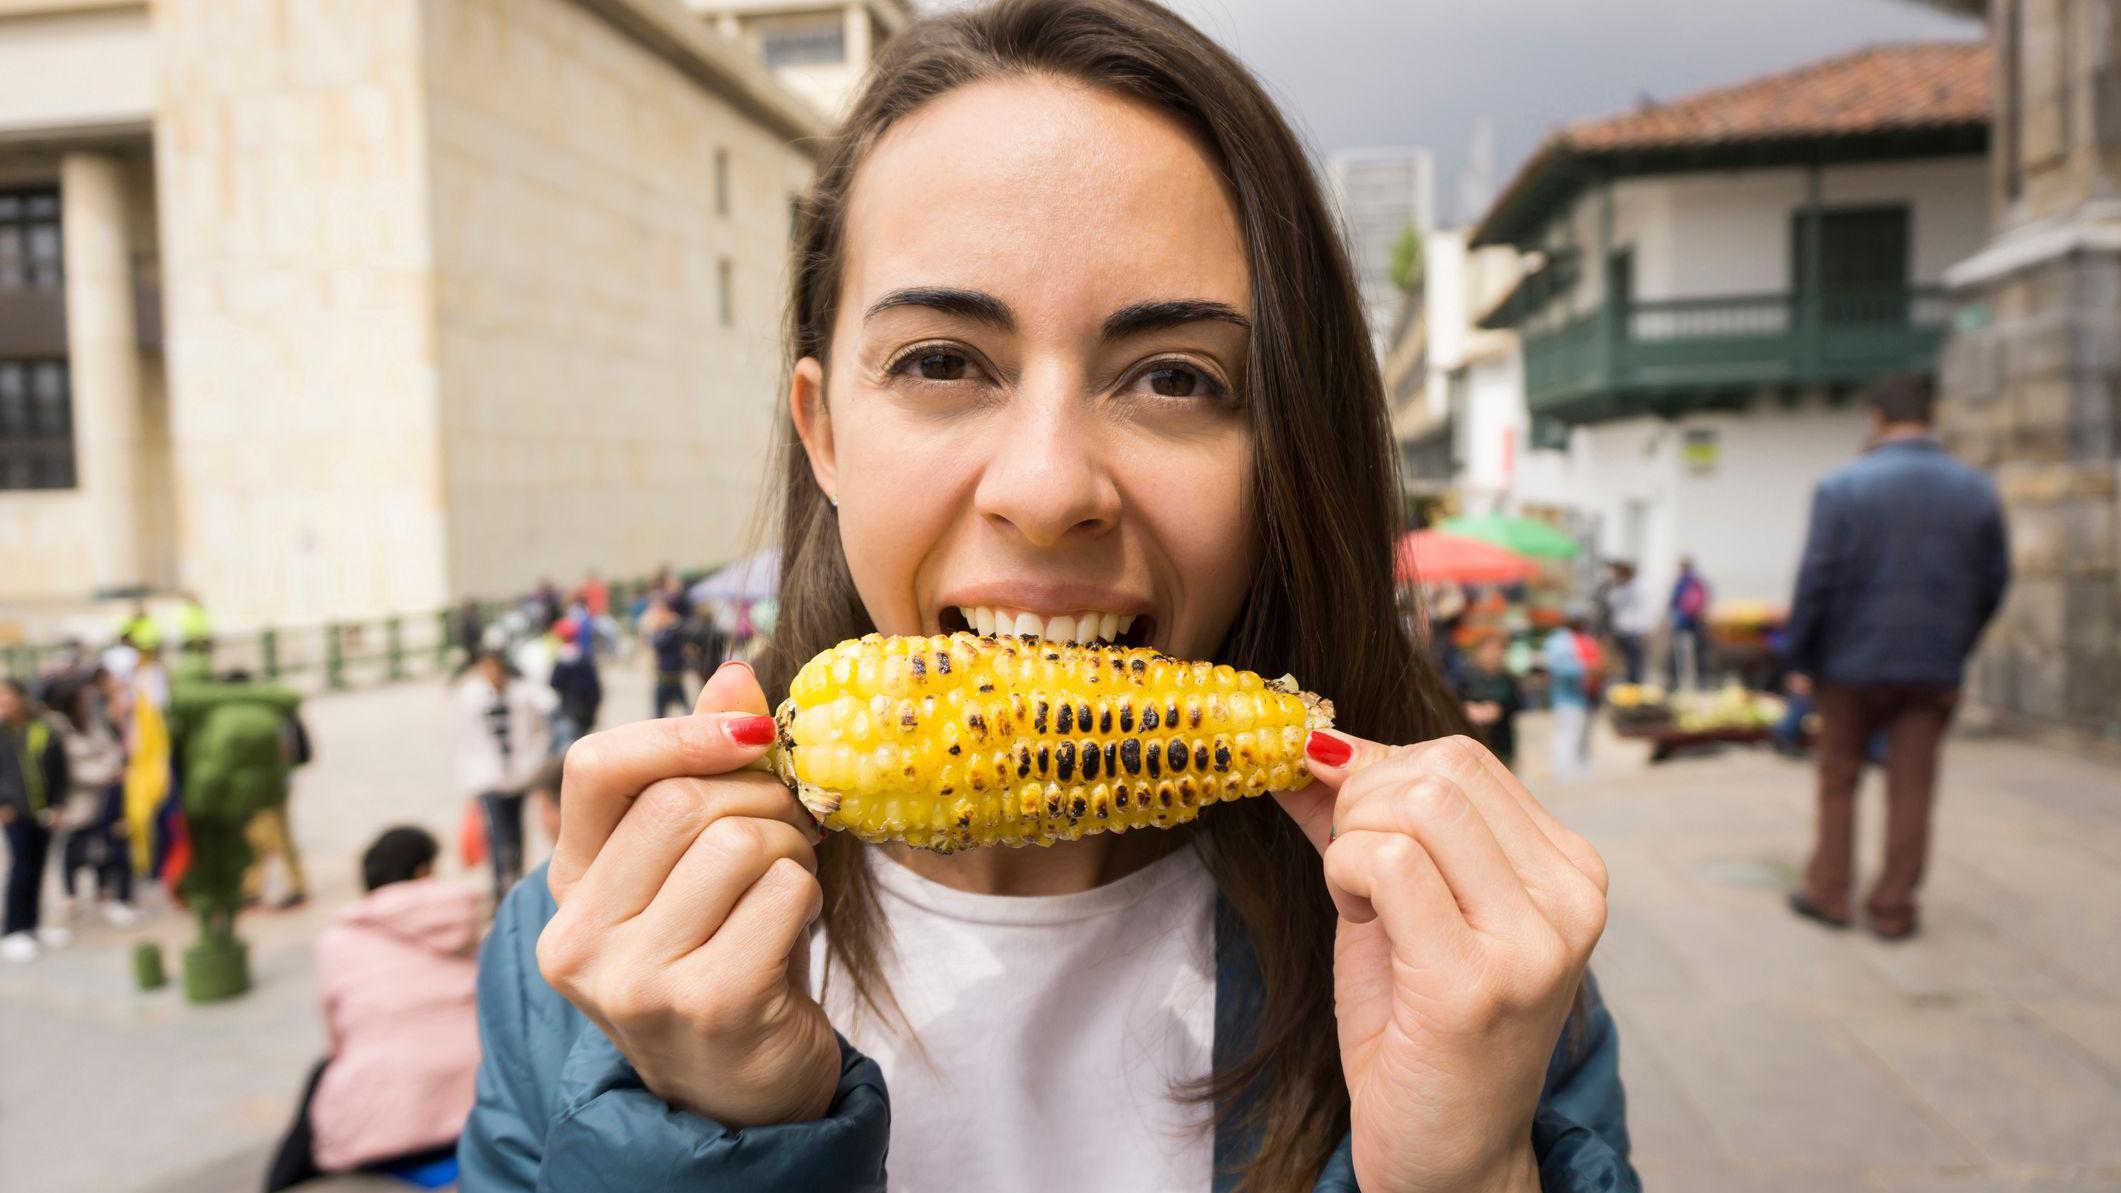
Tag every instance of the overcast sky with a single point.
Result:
(1418, 72)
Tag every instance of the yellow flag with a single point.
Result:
(146, 777)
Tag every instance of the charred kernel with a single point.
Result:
(1045, 760)
(1175, 755)
(1038, 718)
(1092, 756)
(942, 662)
(1065, 722)
(1064, 761)
(1111, 757)
(1156, 760)
(1200, 755)
(1126, 717)
(1130, 755)
(954, 749)
(907, 719)
(1119, 796)
(1136, 665)
(986, 687)
(977, 724)
(1171, 715)
(1222, 755)
(1193, 713)
(1104, 720)
(919, 664)
(1149, 718)
(1023, 761)
(1079, 807)
(1082, 716)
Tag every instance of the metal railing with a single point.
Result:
(335, 655)
(1735, 340)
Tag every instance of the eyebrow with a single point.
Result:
(1127, 321)
(1157, 316)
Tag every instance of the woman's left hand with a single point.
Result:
(1467, 915)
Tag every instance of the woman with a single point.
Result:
(1065, 264)
(93, 816)
(395, 979)
(503, 734)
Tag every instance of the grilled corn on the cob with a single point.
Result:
(961, 740)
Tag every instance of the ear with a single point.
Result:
(813, 422)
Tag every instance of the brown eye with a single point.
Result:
(1175, 382)
(940, 366)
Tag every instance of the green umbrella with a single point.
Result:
(1522, 535)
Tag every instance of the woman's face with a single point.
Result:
(1029, 414)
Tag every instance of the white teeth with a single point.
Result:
(1088, 626)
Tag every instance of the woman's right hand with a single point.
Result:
(685, 887)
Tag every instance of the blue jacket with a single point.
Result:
(561, 1111)
(1905, 562)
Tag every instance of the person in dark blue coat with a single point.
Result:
(1076, 354)
(1905, 563)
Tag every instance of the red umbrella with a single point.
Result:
(1432, 556)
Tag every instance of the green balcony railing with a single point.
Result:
(1672, 353)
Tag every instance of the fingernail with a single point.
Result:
(752, 731)
(1327, 750)
(728, 663)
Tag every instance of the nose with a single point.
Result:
(1047, 477)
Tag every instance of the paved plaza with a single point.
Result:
(1760, 1052)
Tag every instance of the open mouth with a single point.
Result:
(1122, 629)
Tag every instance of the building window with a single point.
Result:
(721, 182)
(819, 41)
(724, 299)
(29, 238)
(36, 425)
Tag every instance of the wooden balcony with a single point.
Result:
(1670, 356)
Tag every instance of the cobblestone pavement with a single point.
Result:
(1760, 1052)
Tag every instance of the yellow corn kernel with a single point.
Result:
(960, 740)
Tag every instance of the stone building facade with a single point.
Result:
(2031, 379)
(338, 308)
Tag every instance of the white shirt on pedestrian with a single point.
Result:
(1049, 1032)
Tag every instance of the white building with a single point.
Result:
(1381, 193)
(819, 49)
(1706, 285)
(367, 307)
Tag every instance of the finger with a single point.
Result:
(762, 931)
(1394, 876)
(733, 687)
(1404, 798)
(721, 864)
(606, 771)
(1331, 757)
(1515, 813)
(662, 824)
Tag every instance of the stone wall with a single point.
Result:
(298, 289)
(597, 408)
(2031, 380)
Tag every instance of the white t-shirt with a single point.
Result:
(1050, 1032)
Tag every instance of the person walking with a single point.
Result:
(33, 784)
(270, 831)
(1570, 678)
(1631, 617)
(502, 738)
(575, 682)
(667, 639)
(1906, 561)
(1688, 610)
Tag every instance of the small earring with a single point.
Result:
(834, 498)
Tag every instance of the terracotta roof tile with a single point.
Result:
(1871, 90)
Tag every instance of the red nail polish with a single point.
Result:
(1327, 750)
(752, 731)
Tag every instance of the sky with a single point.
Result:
(1354, 73)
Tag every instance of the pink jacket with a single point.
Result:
(396, 973)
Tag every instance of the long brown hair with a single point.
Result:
(1326, 502)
